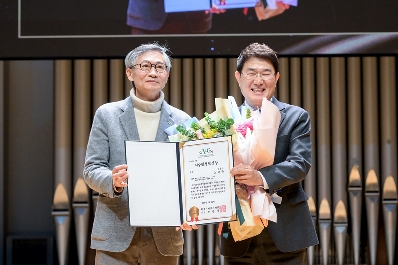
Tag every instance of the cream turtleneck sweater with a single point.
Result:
(147, 115)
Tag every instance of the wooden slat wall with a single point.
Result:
(63, 166)
(2, 244)
(355, 148)
(388, 173)
(352, 103)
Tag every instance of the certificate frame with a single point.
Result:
(171, 183)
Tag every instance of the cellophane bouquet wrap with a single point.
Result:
(256, 140)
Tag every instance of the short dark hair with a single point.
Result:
(260, 51)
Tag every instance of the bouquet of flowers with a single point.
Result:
(254, 139)
(217, 124)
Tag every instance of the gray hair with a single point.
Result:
(131, 58)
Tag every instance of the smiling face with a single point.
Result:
(262, 86)
(148, 84)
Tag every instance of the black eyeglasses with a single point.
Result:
(251, 75)
(147, 66)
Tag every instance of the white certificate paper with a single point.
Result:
(171, 183)
(186, 5)
(226, 4)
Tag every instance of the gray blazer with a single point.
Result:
(294, 229)
(113, 124)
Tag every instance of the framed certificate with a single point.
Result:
(172, 183)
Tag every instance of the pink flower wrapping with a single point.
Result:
(243, 127)
(254, 145)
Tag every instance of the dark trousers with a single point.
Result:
(142, 250)
(262, 251)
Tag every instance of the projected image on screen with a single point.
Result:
(212, 27)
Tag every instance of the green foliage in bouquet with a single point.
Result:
(217, 129)
(188, 133)
(221, 126)
(248, 113)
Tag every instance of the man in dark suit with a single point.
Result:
(285, 241)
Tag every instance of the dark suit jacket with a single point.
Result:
(113, 124)
(294, 229)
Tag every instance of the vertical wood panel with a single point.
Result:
(354, 132)
(388, 121)
(370, 111)
(100, 83)
(295, 81)
(63, 156)
(388, 117)
(233, 88)
(323, 129)
(338, 115)
(2, 157)
(371, 148)
(354, 116)
(323, 155)
(81, 129)
(81, 114)
(166, 89)
(282, 92)
(209, 85)
(310, 183)
(339, 175)
(127, 82)
(63, 124)
(199, 89)
(221, 76)
(388, 114)
(175, 80)
(188, 86)
(116, 81)
(309, 105)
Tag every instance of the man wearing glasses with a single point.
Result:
(285, 241)
(143, 116)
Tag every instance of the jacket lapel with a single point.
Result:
(128, 121)
(281, 108)
(164, 122)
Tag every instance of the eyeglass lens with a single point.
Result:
(146, 67)
(263, 75)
